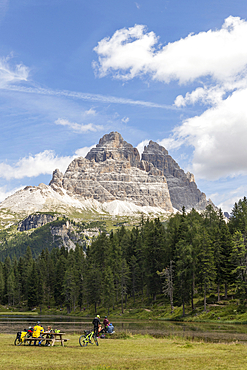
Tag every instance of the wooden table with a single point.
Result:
(56, 337)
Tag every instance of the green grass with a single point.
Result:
(137, 352)
(225, 311)
(18, 313)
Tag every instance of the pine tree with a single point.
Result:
(60, 269)
(183, 270)
(168, 285)
(205, 265)
(239, 259)
(107, 293)
(33, 287)
(7, 267)
(1, 283)
(226, 246)
(10, 284)
(124, 276)
(154, 245)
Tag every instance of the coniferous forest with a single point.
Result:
(193, 253)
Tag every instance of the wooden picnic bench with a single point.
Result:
(52, 338)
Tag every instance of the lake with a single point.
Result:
(213, 332)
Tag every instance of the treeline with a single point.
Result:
(194, 253)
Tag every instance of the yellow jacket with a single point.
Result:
(37, 330)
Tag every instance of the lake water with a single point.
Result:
(213, 332)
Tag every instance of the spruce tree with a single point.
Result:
(33, 287)
(239, 260)
(1, 284)
(205, 265)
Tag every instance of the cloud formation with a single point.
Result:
(86, 96)
(42, 163)
(78, 127)
(134, 51)
(216, 60)
(125, 119)
(227, 199)
(219, 138)
(10, 74)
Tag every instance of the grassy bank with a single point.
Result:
(136, 352)
(227, 310)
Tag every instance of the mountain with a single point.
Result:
(182, 187)
(111, 180)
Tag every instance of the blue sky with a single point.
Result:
(169, 71)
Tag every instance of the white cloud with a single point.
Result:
(219, 138)
(134, 51)
(171, 142)
(90, 112)
(140, 147)
(32, 166)
(78, 127)
(219, 59)
(10, 74)
(206, 95)
(128, 53)
(40, 164)
(226, 200)
(82, 152)
(86, 96)
(125, 119)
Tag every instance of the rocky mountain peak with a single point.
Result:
(113, 179)
(159, 157)
(182, 187)
(154, 148)
(112, 146)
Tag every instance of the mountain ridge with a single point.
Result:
(113, 179)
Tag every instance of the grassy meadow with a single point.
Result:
(135, 352)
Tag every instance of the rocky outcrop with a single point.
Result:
(182, 187)
(115, 180)
(112, 146)
(34, 221)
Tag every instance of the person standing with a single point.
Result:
(96, 323)
(106, 322)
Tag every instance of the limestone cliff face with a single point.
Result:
(34, 221)
(112, 146)
(113, 171)
(182, 187)
(112, 179)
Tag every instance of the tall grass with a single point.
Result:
(135, 352)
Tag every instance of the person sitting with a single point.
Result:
(99, 329)
(37, 330)
(110, 329)
(49, 336)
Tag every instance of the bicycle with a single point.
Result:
(21, 337)
(88, 338)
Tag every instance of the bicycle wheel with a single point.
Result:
(17, 342)
(95, 340)
(83, 342)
